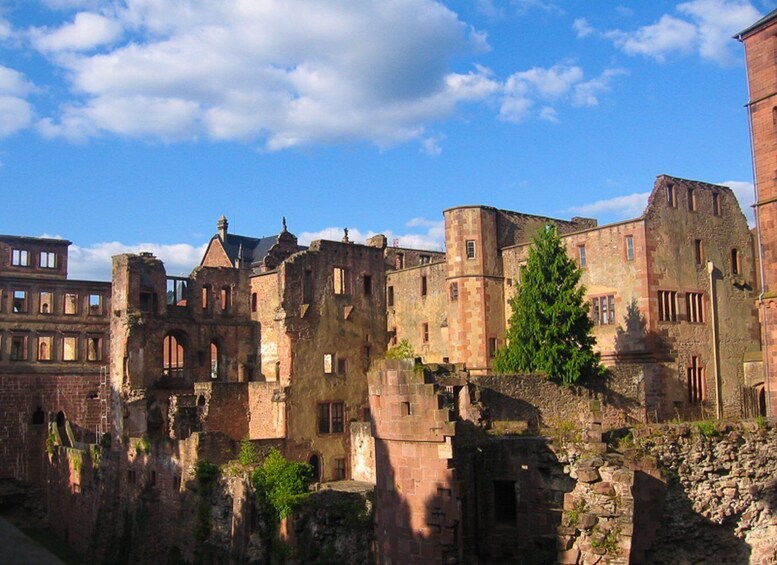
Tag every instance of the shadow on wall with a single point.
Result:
(669, 530)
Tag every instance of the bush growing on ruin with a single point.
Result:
(403, 350)
(280, 484)
(549, 330)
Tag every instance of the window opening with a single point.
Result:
(254, 299)
(425, 259)
(70, 348)
(694, 304)
(603, 310)
(715, 204)
(20, 258)
(20, 301)
(330, 417)
(698, 250)
(48, 260)
(505, 506)
(44, 348)
(454, 291)
(206, 289)
(667, 305)
(173, 356)
(491, 347)
(367, 285)
(95, 304)
(328, 363)
(339, 469)
(691, 200)
(696, 388)
(214, 360)
(470, 248)
(581, 255)
(425, 332)
(71, 304)
(671, 196)
(390, 296)
(399, 260)
(46, 302)
(423, 285)
(629, 248)
(19, 348)
(94, 348)
(226, 299)
(175, 293)
(342, 284)
(735, 265)
(341, 365)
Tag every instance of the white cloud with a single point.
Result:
(87, 31)
(582, 28)
(745, 194)
(15, 112)
(562, 82)
(620, 207)
(432, 237)
(284, 73)
(94, 262)
(704, 27)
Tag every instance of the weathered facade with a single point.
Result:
(670, 294)
(54, 342)
(759, 42)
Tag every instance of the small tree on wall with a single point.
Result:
(549, 330)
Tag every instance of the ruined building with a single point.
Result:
(761, 57)
(53, 354)
(670, 294)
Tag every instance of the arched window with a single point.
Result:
(215, 366)
(173, 355)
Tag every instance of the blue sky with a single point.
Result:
(128, 125)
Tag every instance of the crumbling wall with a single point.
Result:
(362, 452)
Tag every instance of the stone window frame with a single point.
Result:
(671, 196)
(603, 310)
(469, 249)
(20, 347)
(95, 304)
(694, 307)
(70, 353)
(367, 284)
(330, 417)
(697, 386)
(582, 259)
(340, 469)
(48, 341)
(424, 332)
(47, 260)
(94, 351)
(629, 243)
(20, 257)
(329, 363)
(692, 204)
(424, 285)
(667, 306)
(454, 291)
(390, 296)
(20, 304)
(716, 204)
(736, 261)
(341, 281)
(72, 302)
(50, 302)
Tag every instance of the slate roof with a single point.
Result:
(760, 23)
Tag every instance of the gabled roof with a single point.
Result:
(757, 25)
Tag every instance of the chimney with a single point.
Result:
(222, 225)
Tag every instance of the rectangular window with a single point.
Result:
(390, 296)
(46, 302)
(328, 363)
(492, 347)
(226, 299)
(470, 248)
(696, 388)
(425, 259)
(671, 196)
(70, 348)
(454, 292)
(367, 285)
(254, 299)
(629, 248)
(581, 255)
(95, 304)
(331, 418)
(603, 310)
(20, 258)
(698, 251)
(694, 304)
(176, 291)
(342, 282)
(339, 469)
(148, 302)
(94, 348)
(425, 332)
(20, 301)
(423, 285)
(307, 287)
(691, 200)
(18, 348)
(715, 204)
(341, 365)
(44, 347)
(71, 303)
(505, 504)
(393, 334)
(48, 260)
(736, 267)
(667, 306)
(399, 261)
(205, 298)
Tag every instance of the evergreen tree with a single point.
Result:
(549, 330)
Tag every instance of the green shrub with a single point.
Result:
(248, 455)
(707, 428)
(403, 350)
(280, 484)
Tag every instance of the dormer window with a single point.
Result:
(20, 258)
(48, 260)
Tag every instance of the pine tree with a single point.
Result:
(549, 330)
